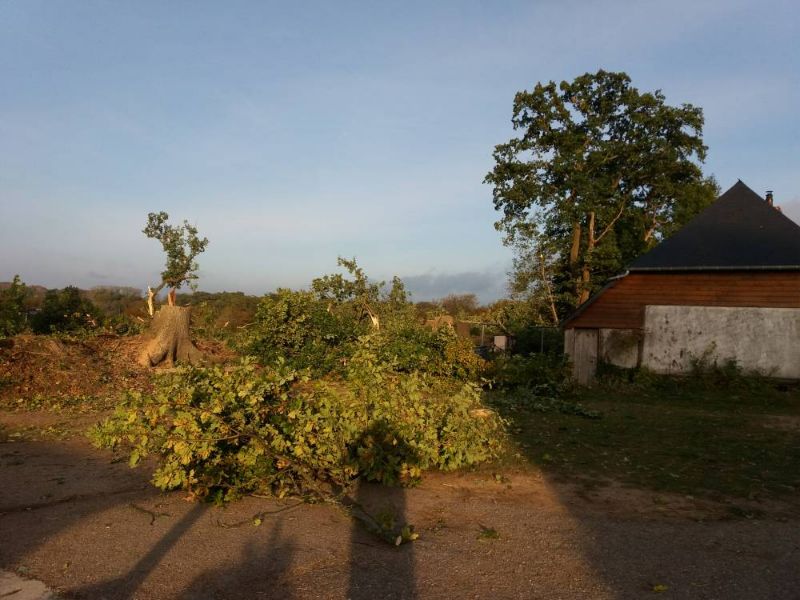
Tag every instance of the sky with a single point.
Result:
(293, 133)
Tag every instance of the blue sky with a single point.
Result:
(291, 134)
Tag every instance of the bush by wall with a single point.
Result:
(518, 370)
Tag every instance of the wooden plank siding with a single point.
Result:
(621, 306)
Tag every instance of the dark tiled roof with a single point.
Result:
(738, 231)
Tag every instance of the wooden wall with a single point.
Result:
(622, 305)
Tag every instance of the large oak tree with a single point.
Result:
(598, 173)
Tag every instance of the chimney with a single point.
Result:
(769, 197)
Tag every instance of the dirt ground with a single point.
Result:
(66, 371)
(90, 527)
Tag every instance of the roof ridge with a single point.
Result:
(739, 230)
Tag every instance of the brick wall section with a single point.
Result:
(622, 306)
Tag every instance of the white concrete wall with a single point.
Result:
(620, 347)
(764, 340)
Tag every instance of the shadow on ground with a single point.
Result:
(678, 529)
(377, 569)
(92, 528)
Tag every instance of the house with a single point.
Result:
(724, 287)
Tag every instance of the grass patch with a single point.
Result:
(682, 436)
(488, 533)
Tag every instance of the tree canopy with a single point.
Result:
(181, 245)
(598, 174)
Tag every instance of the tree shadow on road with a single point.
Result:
(100, 533)
(262, 571)
(48, 487)
(379, 569)
(381, 560)
(127, 584)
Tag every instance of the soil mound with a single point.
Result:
(33, 366)
(37, 371)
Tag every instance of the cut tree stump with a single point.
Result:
(167, 342)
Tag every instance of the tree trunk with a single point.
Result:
(576, 244)
(548, 288)
(586, 274)
(167, 341)
(584, 285)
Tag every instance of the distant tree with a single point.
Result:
(599, 174)
(169, 340)
(428, 308)
(397, 305)
(113, 300)
(459, 305)
(12, 308)
(65, 311)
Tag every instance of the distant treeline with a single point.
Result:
(43, 310)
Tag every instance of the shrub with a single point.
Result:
(706, 373)
(65, 311)
(534, 370)
(323, 328)
(123, 325)
(297, 327)
(12, 308)
(413, 347)
(222, 433)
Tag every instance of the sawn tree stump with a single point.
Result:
(167, 341)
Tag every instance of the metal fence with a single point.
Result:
(540, 340)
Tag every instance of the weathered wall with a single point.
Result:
(581, 346)
(569, 342)
(759, 339)
(620, 347)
